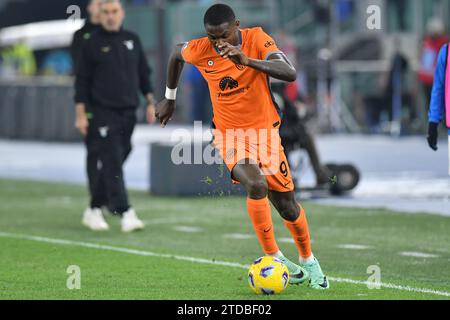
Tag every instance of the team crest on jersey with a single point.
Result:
(129, 44)
(103, 131)
(269, 43)
(228, 83)
(210, 63)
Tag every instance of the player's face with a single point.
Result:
(226, 32)
(94, 10)
(111, 16)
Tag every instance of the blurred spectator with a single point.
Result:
(395, 101)
(18, 60)
(287, 44)
(57, 63)
(1, 61)
(399, 10)
(296, 90)
(321, 10)
(399, 97)
(344, 10)
(431, 45)
(199, 96)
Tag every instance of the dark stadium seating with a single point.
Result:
(37, 110)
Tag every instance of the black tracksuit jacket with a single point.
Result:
(111, 70)
(79, 38)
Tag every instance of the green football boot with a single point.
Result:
(317, 280)
(297, 274)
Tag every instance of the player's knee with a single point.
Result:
(257, 189)
(289, 210)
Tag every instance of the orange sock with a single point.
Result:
(300, 233)
(260, 214)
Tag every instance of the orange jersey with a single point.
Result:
(240, 95)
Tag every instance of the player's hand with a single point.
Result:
(233, 53)
(82, 124)
(432, 135)
(151, 110)
(164, 111)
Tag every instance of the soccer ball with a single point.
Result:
(268, 275)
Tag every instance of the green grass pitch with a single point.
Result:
(36, 268)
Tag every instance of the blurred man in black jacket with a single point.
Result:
(111, 70)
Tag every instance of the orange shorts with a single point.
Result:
(261, 147)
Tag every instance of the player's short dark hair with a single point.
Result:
(219, 14)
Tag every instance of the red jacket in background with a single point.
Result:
(429, 56)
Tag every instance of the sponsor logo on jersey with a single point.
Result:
(228, 83)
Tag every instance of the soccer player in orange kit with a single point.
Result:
(237, 64)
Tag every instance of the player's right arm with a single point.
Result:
(166, 107)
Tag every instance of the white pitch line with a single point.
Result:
(418, 254)
(119, 249)
(169, 220)
(238, 236)
(393, 286)
(200, 260)
(353, 246)
(187, 229)
(286, 240)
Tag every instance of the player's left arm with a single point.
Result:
(276, 65)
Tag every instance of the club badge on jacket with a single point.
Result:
(103, 131)
(129, 44)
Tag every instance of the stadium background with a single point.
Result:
(345, 71)
(361, 58)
